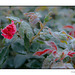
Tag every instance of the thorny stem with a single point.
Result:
(38, 32)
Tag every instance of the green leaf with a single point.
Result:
(26, 42)
(66, 59)
(1, 35)
(34, 47)
(34, 62)
(73, 59)
(13, 18)
(58, 65)
(69, 65)
(9, 42)
(36, 30)
(10, 62)
(19, 60)
(46, 37)
(46, 18)
(40, 41)
(25, 28)
(48, 62)
(3, 55)
(17, 47)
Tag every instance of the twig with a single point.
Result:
(38, 32)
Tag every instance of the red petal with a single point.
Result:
(7, 36)
(68, 26)
(12, 22)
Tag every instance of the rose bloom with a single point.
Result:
(9, 31)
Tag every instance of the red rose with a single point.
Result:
(9, 31)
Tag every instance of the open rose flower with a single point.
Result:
(9, 31)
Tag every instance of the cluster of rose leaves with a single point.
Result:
(9, 31)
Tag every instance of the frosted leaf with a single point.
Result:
(25, 28)
(36, 30)
(48, 62)
(61, 65)
(14, 18)
(33, 17)
(58, 65)
(73, 43)
(51, 44)
(68, 65)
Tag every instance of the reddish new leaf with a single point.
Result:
(46, 51)
(34, 18)
(70, 54)
(70, 33)
(73, 53)
(54, 52)
(63, 56)
(56, 59)
(74, 34)
(68, 26)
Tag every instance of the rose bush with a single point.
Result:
(37, 37)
